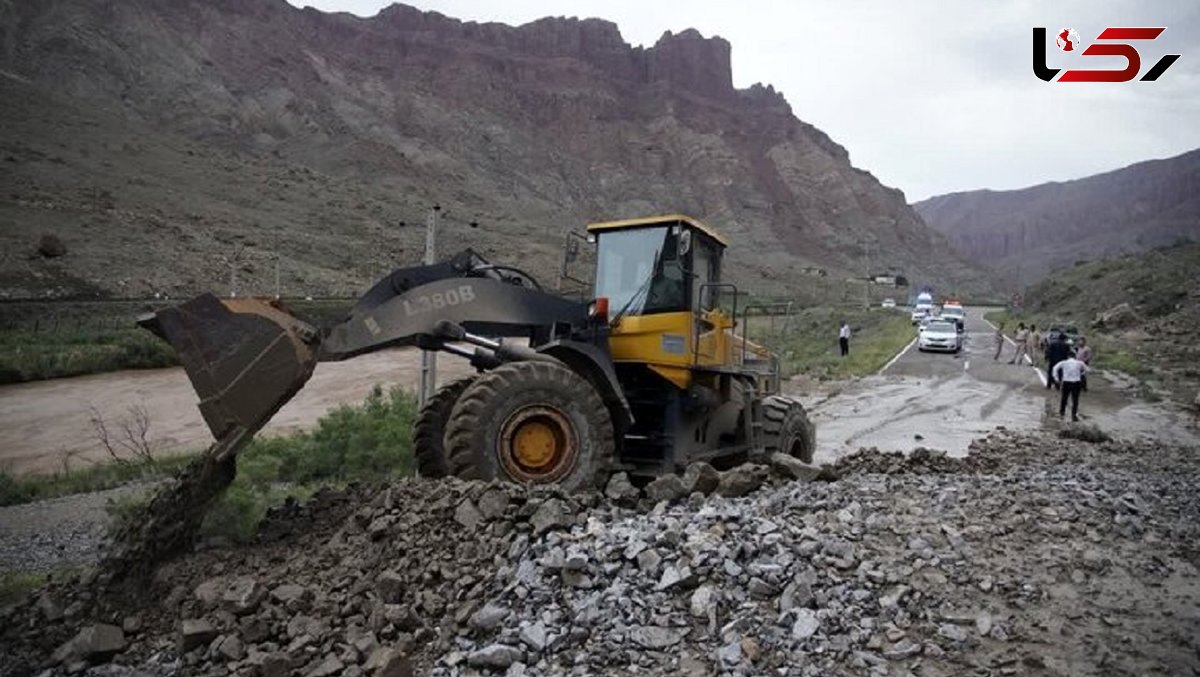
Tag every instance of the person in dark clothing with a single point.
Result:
(844, 338)
(1056, 351)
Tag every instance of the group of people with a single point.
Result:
(1066, 365)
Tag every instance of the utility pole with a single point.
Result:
(867, 273)
(428, 357)
(277, 255)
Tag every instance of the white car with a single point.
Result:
(889, 303)
(956, 313)
(919, 314)
(940, 334)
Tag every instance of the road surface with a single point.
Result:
(935, 400)
(943, 401)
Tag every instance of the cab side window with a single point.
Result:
(706, 264)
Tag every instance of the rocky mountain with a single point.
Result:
(1026, 234)
(181, 145)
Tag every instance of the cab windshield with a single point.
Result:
(640, 272)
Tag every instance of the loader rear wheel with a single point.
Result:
(429, 433)
(786, 428)
(531, 423)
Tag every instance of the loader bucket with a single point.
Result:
(245, 357)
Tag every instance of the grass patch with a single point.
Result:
(368, 442)
(32, 356)
(14, 490)
(1120, 360)
(16, 584)
(808, 344)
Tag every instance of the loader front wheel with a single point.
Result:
(786, 428)
(531, 423)
(429, 433)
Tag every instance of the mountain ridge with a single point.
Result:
(523, 129)
(1031, 232)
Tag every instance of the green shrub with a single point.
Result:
(367, 442)
(32, 356)
(14, 490)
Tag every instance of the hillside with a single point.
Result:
(177, 145)
(1026, 234)
(1143, 310)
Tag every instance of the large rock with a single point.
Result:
(700, 477)
(95, 643)
(489, 617)
(242, 595)
(666, 488)
(1119, 316)
(388, 662)
(390, 586)
(51, 246)
(210, 591)
(657, 638)
(551, 514)
(741, 480)
(793, 468)
(494, 656)
(620, 490)
(194, 632)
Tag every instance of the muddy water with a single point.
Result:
(46, 425)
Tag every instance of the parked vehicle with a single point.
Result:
(940, 334)
(956, 314)
(889, 303)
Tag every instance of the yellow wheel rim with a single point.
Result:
(537, 444)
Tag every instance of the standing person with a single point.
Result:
(1070, 372)
(1031, 346)
(999, 342)
(1057, 350)
(1022, 344)
(1084, 354)
(844, 338)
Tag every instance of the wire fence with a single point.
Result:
(103, 316)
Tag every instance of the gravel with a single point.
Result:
(56, 533)
(1033, 555)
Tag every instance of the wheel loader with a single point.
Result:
(646, 376)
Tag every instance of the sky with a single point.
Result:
(930, 96)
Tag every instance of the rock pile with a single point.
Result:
(951, 569)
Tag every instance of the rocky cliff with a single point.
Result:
(1026, 234)
(180, 144)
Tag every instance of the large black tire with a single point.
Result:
(429, 433)
(482, 437)
(786, 428)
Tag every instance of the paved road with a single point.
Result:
(936, 400)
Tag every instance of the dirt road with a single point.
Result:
(46, 426)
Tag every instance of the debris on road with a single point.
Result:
(958, 564)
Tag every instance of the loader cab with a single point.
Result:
(661, 278)
(657, 265)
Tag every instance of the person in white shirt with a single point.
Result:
(1070, 373)
(844, 338)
